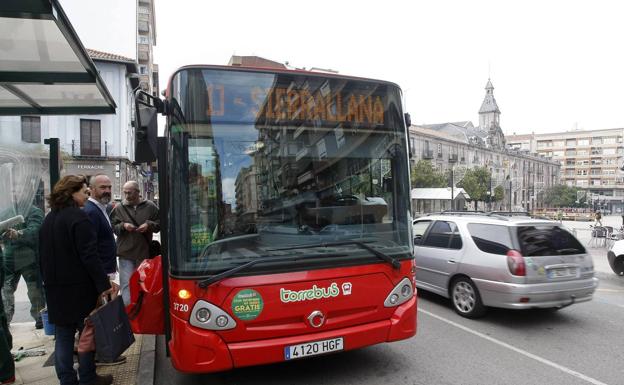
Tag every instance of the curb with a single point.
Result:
(147, 361)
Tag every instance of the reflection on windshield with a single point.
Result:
(242, 189)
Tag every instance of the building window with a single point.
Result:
(143, 70)
(31, 129)
(90, 137)
(583, 142)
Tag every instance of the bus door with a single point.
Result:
(146, 309)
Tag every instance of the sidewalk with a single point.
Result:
(39, 370)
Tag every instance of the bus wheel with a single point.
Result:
(466, 299)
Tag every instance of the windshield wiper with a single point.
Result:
(230, 272)
(385, 257)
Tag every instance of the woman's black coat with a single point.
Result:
(72, 274)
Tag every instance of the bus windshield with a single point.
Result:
(267, 165)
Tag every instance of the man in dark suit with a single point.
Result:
(100, 186)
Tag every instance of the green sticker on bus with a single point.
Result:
(247, 304)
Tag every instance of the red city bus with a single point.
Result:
(285, 212)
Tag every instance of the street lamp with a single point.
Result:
(509, 179)
(490, 192)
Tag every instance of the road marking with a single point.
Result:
(610, 290)
(515, 349)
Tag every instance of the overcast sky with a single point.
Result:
(555, 65)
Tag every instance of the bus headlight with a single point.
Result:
(406, 290)
(203, 315)
(222, 321)
(211, 317)
(401, 293)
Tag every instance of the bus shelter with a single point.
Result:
(44, 70)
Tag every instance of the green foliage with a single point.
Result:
(476, 182)
(563, 196)
(424, 175)
(499, 193)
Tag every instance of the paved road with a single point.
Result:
(581, 344)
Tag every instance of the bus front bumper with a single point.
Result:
(195, 350)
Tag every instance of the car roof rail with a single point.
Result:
(510, 213)
(451, 212)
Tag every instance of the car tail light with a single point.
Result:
(515, 261)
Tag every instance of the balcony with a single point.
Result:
(89, 152)
(427, 154)
(452, 158)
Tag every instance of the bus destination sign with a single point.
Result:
(291, 105)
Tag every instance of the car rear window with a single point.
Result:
(493, 239)
(547, 240)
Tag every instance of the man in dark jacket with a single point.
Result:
(20, 260)
(100, 186)
(134, 221)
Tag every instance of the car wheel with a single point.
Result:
(466, 299)
(617, 264)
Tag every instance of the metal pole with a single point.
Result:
(54, 160)
(490, 203)
(510, 194)
(452, 195)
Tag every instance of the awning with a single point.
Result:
(44, 68)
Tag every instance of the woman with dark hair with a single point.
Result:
(73, 277)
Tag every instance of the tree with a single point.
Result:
(476, 182)
(499, 193)
(424, 175)
(563, 196)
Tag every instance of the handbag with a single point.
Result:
(86, 342)
(152, 245)
(113, 334)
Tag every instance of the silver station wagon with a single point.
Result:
(514, 262)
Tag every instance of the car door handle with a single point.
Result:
(451, 261)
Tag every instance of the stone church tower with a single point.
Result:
(489, 119)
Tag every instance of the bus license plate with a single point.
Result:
(313, 348)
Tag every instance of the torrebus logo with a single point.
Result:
(309, 294)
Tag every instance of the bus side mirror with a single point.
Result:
(408, 120)
(146, 111)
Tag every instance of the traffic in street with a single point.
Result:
(579, 344)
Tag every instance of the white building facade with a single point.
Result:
(89, 144)
(524, 175)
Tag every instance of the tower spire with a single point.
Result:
(489, 118)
